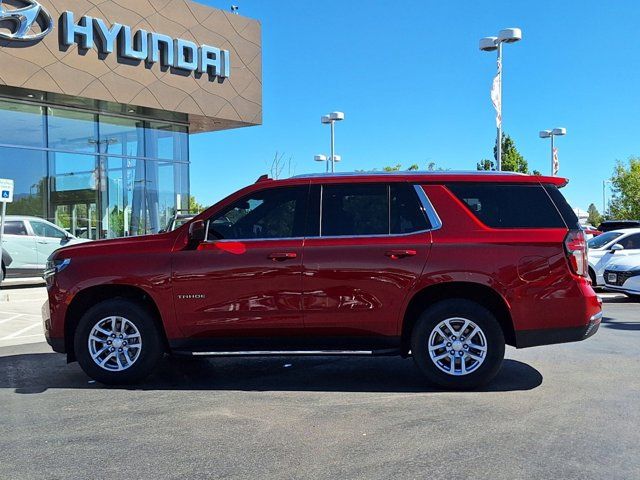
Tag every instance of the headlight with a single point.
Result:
(55, 266)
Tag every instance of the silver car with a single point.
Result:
(28, 242)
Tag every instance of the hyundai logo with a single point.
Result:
(20, 22)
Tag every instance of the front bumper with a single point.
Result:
(57, 344)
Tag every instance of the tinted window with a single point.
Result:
(275, 213)
(45, 230)
(15, 228)
(631, 242)
(407, 215)
(509, 205)
(568, 215)
(601, 240)
(349, 210)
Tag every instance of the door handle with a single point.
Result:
(279, 257)
(397, 254)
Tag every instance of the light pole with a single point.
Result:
(489, 44)
(331, 119)
(323, 158)
(556, 132)
(604, 199)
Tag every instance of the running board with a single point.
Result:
(291, 353)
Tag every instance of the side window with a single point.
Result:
(274, 213)
(43, 230)
(631, 242)
(356, 209)
(407, 215)
(501, 205)
(15, 228)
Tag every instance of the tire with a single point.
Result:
(592, 276)
(127, 363)
(432, 329)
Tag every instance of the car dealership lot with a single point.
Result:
(566, 411)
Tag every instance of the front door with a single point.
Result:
(245, 280)
(48, 240)
(373, 245)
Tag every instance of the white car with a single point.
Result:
(28, 242)
(623, 275)
(608, 246)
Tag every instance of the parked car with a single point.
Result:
(440, 266)
(606, 247)
(609, 225)
(28, 242)
(623, 275)
(590, 231)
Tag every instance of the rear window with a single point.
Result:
(15, 228)
(568, 215)
(501, 205)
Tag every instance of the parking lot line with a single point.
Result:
(20, 332)
(5, 320)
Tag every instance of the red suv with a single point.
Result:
(445, 267)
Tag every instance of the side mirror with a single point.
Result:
(197, 231)
(616, 248)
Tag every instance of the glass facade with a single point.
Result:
(96, 176)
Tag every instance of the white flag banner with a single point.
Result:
(556, 162)
(495, 95)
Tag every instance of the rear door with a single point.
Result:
(48, 240)
(367, 245)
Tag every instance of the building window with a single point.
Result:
(94, 175)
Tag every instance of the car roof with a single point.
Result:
(625, 230)
(26, 217)
(445, 176)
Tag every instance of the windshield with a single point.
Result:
(602, 240)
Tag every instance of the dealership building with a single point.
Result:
(98, 100)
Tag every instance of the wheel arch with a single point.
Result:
(90, 296)
(477, 292)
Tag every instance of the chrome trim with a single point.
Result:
(264, 353)
(434, 219)
(229, 240)
(597, 316)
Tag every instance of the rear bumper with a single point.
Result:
(550, 336)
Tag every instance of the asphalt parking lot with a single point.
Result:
(564, 411)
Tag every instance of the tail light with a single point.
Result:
(575, 247)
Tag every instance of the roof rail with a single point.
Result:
(412, 172)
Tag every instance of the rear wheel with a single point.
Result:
(117, 342)
(458, 344)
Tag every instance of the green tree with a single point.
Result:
(512, 160)
(194, 206)
(625, 187)
(594, 216)
(431, 167)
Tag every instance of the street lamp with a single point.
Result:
(323, 158)
(604, 199)
(556, 132)
(331, 119)
(489, 44)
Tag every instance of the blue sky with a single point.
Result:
(415, 88)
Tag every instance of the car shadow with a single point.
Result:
(34, 373)
(614, 324)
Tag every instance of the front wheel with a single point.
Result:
(117, 342)
(458, 344)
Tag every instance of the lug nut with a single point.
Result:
(113, 335)
(120, 349)
(109, 342)
(466, 347)
(452, 352)
(462, 339)
(112, 349)
(453, 338)
(121, 336)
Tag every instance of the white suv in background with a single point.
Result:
(28, 242)
(608, 246)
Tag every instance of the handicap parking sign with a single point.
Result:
(6, 189)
